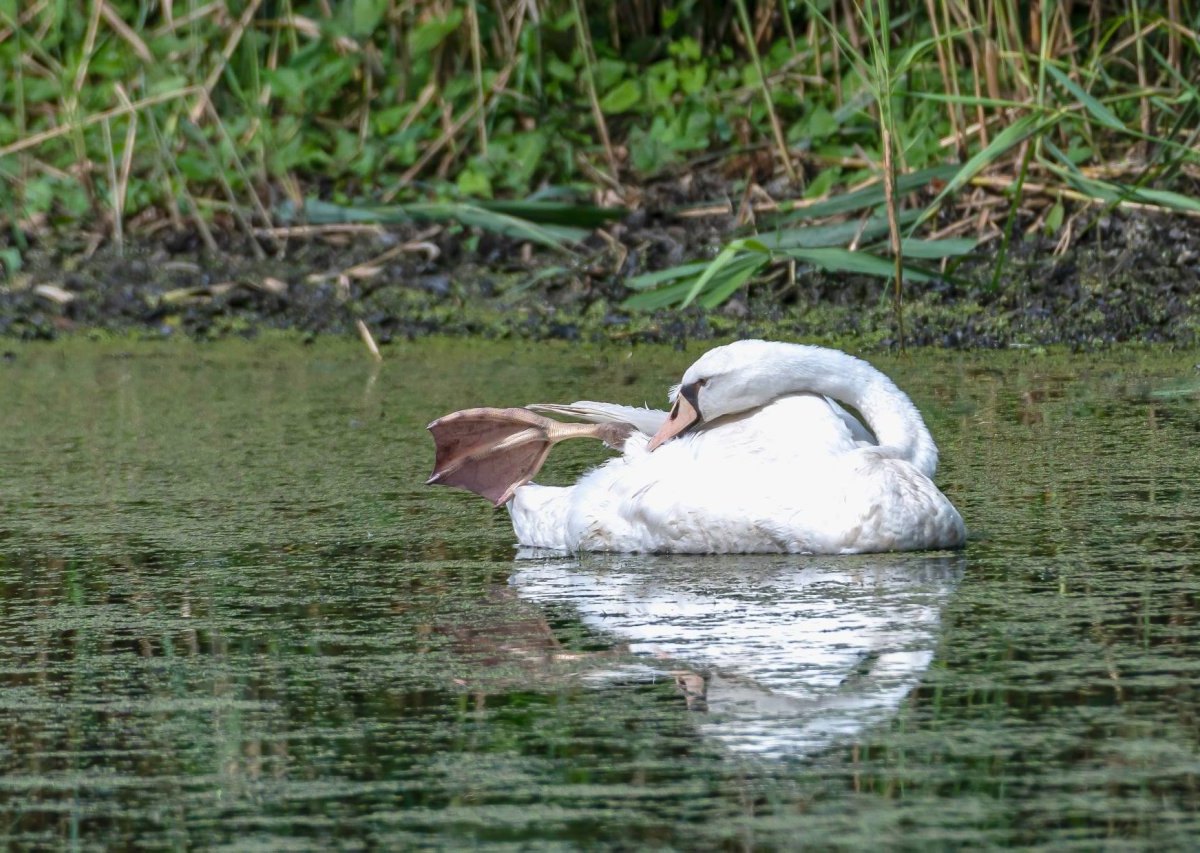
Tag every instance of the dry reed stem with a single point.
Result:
(1144, 84)
(126, 34)
(85, 56)
(503, 33)
(110, 162)
(448, 135)
(851, 12)
(776, 127)
(304, 25)
(600, 178)
(364, 121)
(948, 82)
(889, 195)
(171, 24)
(23, 18)
(368, 339)
(231, 43)
(74, 125)
(226, 187)
(121, 179)
(343, 289)
(130, 139)
(372, 267)
(745, 211)
(288, 231)
(585, 45)
(477, 72)
(726, 208)
(263, 213)
(264, 95)
(427, 95)
(168, 161)
(1002, 183)
(951, 230)
(1173, 42)
(976, 64)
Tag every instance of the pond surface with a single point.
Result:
(231, 615)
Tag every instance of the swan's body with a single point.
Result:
(755, 457)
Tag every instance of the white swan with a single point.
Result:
(754, 456)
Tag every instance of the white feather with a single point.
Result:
(777, 466)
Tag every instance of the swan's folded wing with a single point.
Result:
(646, 421)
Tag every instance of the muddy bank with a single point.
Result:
(1128, 278)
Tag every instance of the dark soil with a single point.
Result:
(1126, 278)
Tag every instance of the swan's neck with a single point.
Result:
(889, 413)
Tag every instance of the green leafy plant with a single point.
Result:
(134, 113)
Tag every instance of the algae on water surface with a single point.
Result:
(231, 614)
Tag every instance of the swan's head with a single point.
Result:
(727, 380)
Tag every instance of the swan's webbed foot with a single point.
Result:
(492, 452)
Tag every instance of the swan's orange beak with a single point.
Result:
(683, 415)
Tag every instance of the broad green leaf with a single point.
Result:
(1167, 198)
(552, 236)
(557, 212)
(970, 100)
(684, 47)
(823, 182)
(653, 279)
(864, 263)
(622, 98)
(819, 124)
(366, 16)
(735, 275)
(868, 196)
(910, 56)
(430, 34)
(287, 82)
(648, 152)
(660, 298)
(609, 72)
(559, 70)
(1056, 152)
(1116, 193)
(319, 212)
(1100, 112)
(473, 182)
(1054, 219)
(10, 260)
(722, 260)
(692, 79)
(935, 250)
(837, 233)
(720, 286)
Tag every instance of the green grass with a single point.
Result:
(132, 115)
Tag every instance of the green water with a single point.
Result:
(231, 615)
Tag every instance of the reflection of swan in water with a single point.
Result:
(796, 653)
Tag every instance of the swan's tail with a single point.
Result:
(539, 516)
